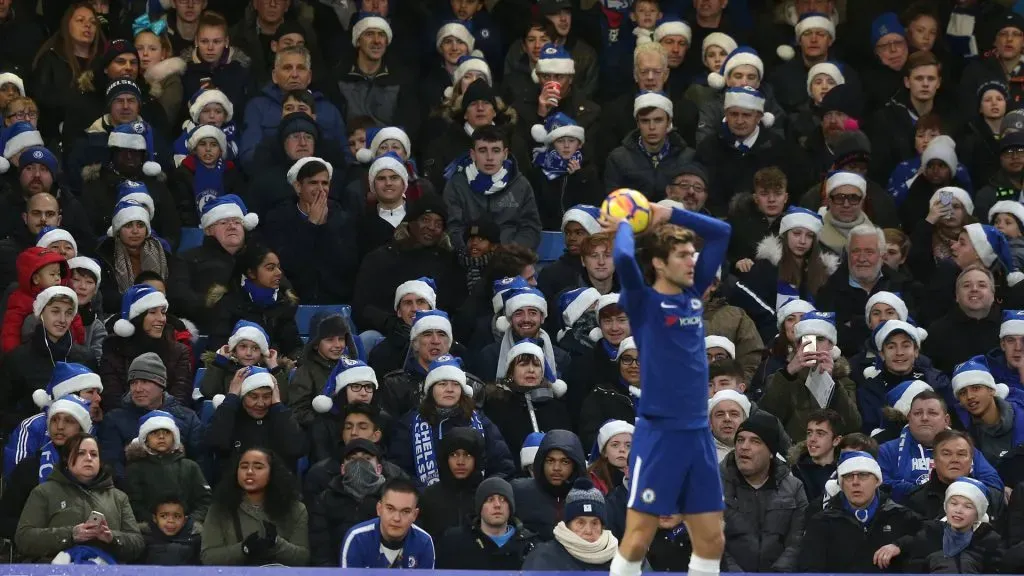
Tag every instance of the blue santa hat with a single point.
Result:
(749, 98)
(136, 301)
(430, 320)
(86, 555)
(66, 378)
(447, 367)
(809, 21)
(197, 134)
(473, 62)
(673, 25)
(975, 372)
(50, 234)
(535, 348)
(887, 328)
(585, 215)
(132, 191)
(529, 450)
(818, 323)
(790, 307)
(158, 420)
(902, 396)
(554, 59)
(517, 298)
(14, 139)
(376, 136)
(388, 161)
(129, 211)
(573, 303)
(1013, 323)
(992, 247)
(503, 285)
(857, 461)
(742, 56)
(74, 406)
(974, 491)
(346, 371)
(252, 332)
(206, 96)
(609, 429)
(227, 206)
(797, 217)
(136, 135)
(555, 126)
(424, 287)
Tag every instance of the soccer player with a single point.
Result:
(673, 462)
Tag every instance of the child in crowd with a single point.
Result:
(562, 180)
(208, 106)
(249, 345)
(357, 133)
(215, 62)
(482, 238)
(331, 339)
(157, 465)
(204, 174)
(38, 269)
(172, 538)
(610, 456)
(716, 48)
(645, 16)
(1008, 217)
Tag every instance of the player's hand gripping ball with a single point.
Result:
(628, 205)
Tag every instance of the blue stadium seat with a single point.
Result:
(552, 244)
(190, 238)
(305, 313)
(198, 347)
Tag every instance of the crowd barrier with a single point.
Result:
(130, 570)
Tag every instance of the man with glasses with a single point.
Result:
(689, 187)
(885, 75)
(1008, 182)
(844, 205)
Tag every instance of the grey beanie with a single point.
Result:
(148, 367)
(492, 486)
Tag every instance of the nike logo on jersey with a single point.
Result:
(668, 306)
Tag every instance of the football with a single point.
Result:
(630, 205)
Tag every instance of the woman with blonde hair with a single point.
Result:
(160, 67)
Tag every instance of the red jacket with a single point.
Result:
(19, 303)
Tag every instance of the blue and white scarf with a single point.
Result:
(208, 183)
(863, 515)
(552, 164)
(481, 183)
(423, 447)
(49, 458)
(654, 157)
(457, 165)
(260, 296)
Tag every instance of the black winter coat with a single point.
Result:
(628, 166)
(231, 431)
(583, 374)
(556, 196)
(179, 293)
(121, 426)
(978, 149)
(51, 87)
(99, 196)
(467, 548)
(749, 226)
(336, 511)
(451, 503)
(509, 412)
(278, 320)
(983, 555)
(1013, 561)
(179, 550)
(209, 270)
(607, 402)
(617, 121)
(183, 193)
(927, 500)
(955, 337)
(119, 352)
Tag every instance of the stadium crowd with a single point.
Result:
(473, 406)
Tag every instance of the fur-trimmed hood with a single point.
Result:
(770, 249)
(161, 71)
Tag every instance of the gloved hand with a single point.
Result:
(271, 533)
(253, 546)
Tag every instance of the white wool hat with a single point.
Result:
(207, 131)
(959, 194)
(458, 31)
(380, 136)
(723, 395)
(293, 172)
(652, 100)
(859, 462)
(815, 22)
(720, 342)
(211, 96)
(673, 28)
(889, 298)
(844, 178)
(44, 297)
(941, 148)
(419, 288)
(610, 429)
(1011, 207)
(794, 306)
(827, 68)
(974, 491)
(56, 235)
(720, 39)
(371, 23)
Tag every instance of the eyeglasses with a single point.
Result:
(24, 115)
(845, 199)
(628, 361)
(697, 188)
(361, 387)
(1014, 152)
(891, 46)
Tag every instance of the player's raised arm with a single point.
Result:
(715, 234)
(631, 277)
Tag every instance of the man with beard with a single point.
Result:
(559, 462)
(840, 108)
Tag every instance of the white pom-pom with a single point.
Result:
(218, 399)
(197, 394)
(836, 352)
(62, 557)
(768, 119)
(250, 220)
(110, 232)
(323, 404)
(716, 81)
(595, 334)
(538, 133)
(477, 53)
(502, 324)
(40, 398)
(448, 93)
(1002, 390)
(533, 76)
(559, 388)
(5, 165)
(151, 168)
(467, 390)
(561, 334)
(922, 334)
(364, 156)
(124, 328)
(1014, 278)
(785, 52)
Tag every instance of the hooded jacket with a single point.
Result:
(389, 96)
(278, 320)
(182, 549)
(995, 442)
(331, 515)
(99, 196)
(540, 504)
(232, 430)
(19, 302)
(150, 476)
(451, 503)
(508, 409)
(629, 166)
(513, 209)
(468, 548)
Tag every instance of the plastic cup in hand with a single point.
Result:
(555, 87)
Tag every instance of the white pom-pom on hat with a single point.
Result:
(40, 398)
(768, 119)
(785, 52)
(150, 168)
(559, 388)
(538, 133)
(124, 328)
(323, 404)
(364, 156)
(218, 399)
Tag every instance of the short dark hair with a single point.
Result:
(400, 485)
(726, 367)
(930, 121)
(919, 59)
(310, 169)
(508, 260)
(771, 178)
(930, 395)
(835, 421)
(147, 275)
(490, 134)
(949, 434)
(373, 414)
(859, 441)
(168, 498)
(361, 123)
(541, 23)
(304, 96)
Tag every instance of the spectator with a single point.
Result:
(883, 78)
(410, 297)
(939, 168)
(1004, 216)
(261, 494)
(907, 461)
(122, 179)
(782, 344)
(855, 517)
(979, 144)
(583, 55)
(993, 420)
(525, 311)
(609, 458)
(518, 82)
(715, 48)
(814, 461)
(807, 122)
(208, 107)
(727, 409)
(614, 398)
(897, 409)
(974, 322)
(142, 326)
(257, 35)
(562, 462)
(932, 242)
(160, 64)
(1006, 361)
(815, 35)
(581, 539)
(496, 538)
(578, 222)
(378, 142)
(447, 404)
(562, 167)
(819, 369)
(732, 323)
(954, 459)
(409, 546)
(742, 68)
(727, 374)
(253, 415)
(751, 475)
(756, 215)
(1007, 182)
(351, 382)
(598, 272)
(182, 19)
(351, 498)
(214, 61)
(205, 173)
(448, 504)
(452, 42)
(389, 181)
(579, 316)
(39, 269)
(173, 538)
(157, 465)
(999, 65)
(248, 345)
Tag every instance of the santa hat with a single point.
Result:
(227, 206)
(198, 133)
(887, 328)
(388, 161)
(943, 148)
(206, 96)
(958, 194)
(50, 234)
(742, 56)
(974, 491)
(67, 378)
(370, 21)
(258, 377)
(844, 178)
(430, 320)
(457, 29)
(503, 285)
(423, 287)
(720, 39)
(651, 99)
(573, 303)
(748, 98)
(158, 420)
(466, 64)
(136, 136)
(626, 345)
(293, 172)
(74, 406)
(133, 191)
(250, 332)
(554, 59)
(794, 306)
(856, 461)
(517, 298)
(809, 21)
(585, 215)
(991, 245)
(902, 396)
(129, 211)
(830, 69)
(446, 367)
(723, 395)
(797, 217)
(137, 300)
(891, 299)
(529, 450)
(377, 136)
(86, 263)
(533, 347)
(12, 78)
(1011, 207)
(973, 372)
(720, 342)
(606, 432)
(14, 139)
(1013, 323)
(44, 298)
(556, 126)
(346, 371)
(673, 26)
(818, 323)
